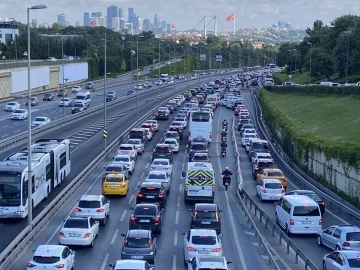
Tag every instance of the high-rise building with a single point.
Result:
(34, 23)
(131, 14)
(112, 12)
(93, 14)
(99, 14)
(168, 28)
(86, 19)
(77, 24)
(61, 19)
(138, 24)
(163, 26)
(121, 13)
(122, 23)
(101, 21)
(156, 21)
(146, 25)
(115, 24)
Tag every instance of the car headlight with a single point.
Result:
(151, 253)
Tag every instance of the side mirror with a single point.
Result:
(221, 211)
(123, 234)
(229, 262)
(183, 174)
(131, 208)
(111, 265)
(220, 235)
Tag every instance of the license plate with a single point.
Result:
(137, 257)
(150, 197)
(144, 220)
(204, 252)
(205, 222)
(273, 198)
(3, 216)
(113, 186)
(74, 235)
(193, 191)
(306, 222)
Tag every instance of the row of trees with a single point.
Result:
(333, 49)
(122, 47)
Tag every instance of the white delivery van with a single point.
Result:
(298, 214)
(199, 182)
(83, 97)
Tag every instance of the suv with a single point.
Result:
(197, 148)
(206, 216)
(152, 192)
(340, 237)
(95, 206)
(163, 151)
(209, 262)
(146, 216)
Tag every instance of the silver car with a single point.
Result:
(11, 106)
(65, 102)
(161, 164)
(160, 176)
(342, 260)
(340, 237)
(137, 143)
(95, 206)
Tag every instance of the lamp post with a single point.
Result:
(29, 115)
(159, 71)
(105, 71)
(131, 64)
(14, 37)
(290, 60)
(348, 32)
(310, 61)
(153, 63)
(137, 75)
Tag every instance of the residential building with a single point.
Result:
(8, 31)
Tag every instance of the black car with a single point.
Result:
(197, 148)
(163, 151)
(110, 97)
(79, 107)
(243, 122)
(130, 92)
(177, 129)
(146, 216)
(152, 192)
(312, 195)
(206, 216)
(199, 140)
(48, 97)
(89, 85)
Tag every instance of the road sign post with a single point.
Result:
(105, 133)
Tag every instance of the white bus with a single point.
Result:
(50, 165)
(200, 125)
(164, 77)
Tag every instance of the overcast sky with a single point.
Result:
(186, 14)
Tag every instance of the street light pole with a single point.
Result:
(174, 66)
(347, 56)
(310, 61)
(29, 173)
(131, 64)
(159, 72)
(14, 37)
(105, 71)
(63, 72)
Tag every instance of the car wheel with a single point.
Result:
(319, 240)
(104, 221)
(324, 265)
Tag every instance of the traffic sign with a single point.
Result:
(290, 76)
(105, 133)
(25, 53)
(158, 96)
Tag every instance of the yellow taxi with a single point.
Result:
(115, 184)
(272, 174)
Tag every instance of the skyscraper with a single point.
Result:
(168, 28)
(93, 14)
(163, 26)
(99, 14)
(112, 12)
(61, 19)
(122, 23)
(121, 13)
(156, 21)
(131, 14)
(146, 25)
(86, 19)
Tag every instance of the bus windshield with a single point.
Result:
(10, 189)
(200, 117)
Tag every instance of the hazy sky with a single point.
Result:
(186, 14)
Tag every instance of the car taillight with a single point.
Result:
(263, 190)
(346, 244)
(77, 209)
(140, 195)
(61, 235)
(104, 186)
(320, 222)
(292, 222)
(31, 265)
(156, 219)
(132, 218)
(161, 195)
(100, 210)
(256, 168)
(190, 249)
(87, 235)
(216, 250)
(60, 266)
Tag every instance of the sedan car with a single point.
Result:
(174, 144)
(201, 157)
(161, 164)
(154, 123)
(206, 216)
(19, 114)
(171, 134)
(65, 102)
(246, 137)
(201, 242)
(110, 97)
(270, 190)
(52, 257)
(79, 231)
(160, 177)
(62, 93)
(48, 97)
(115, 184)
(146, 216)
(137, 144)
(342, 260)
(11, 106)
(159, 82)
(115, 168)
(152, 192)
(40, 121)
(126, 160)
(88, 85)
(138, 87)
(77, 88)
(130, 92)
(128, 149)
(33, 101)
(139, 245)
(78, 107)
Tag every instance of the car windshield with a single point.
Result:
(198, 147)
(137, 242)
(171, 135)
(33, 99)
(160, 162)
(145, 211)
(169, 142)
(176, 124)
(120, 159)
(306, 211)
(162, 149)
(125, 148)
(114, 169)
(260, 145)
(267, 164)
(11, 104)
(77, 223)
(89, 204)
(133, 142)
(200, 157)
(273, 185)
(205, 214)
(203, 240)
(46, 259)
(280, 174)
(156, 176)
(19, 111)
(114, 179)
(313, 196)
(39, 119)
(47, 95)
(79, 105)
(65, 99)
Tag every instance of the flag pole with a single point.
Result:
(234, 24)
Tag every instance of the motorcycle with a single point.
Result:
(223, 137)
(227, 180)
(223, 152)
(225, 127)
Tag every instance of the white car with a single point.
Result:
(201, 242)
(40, 121)
(138, 87)
(79, 231)
(169, 81)
(138, 145)
(270, 190)
(174, 144)
(131, 265)
(76, 89)
(245, 138)
(66, 102)
(95, 206)
(208, 262)
(178, 124)
(149, 134)
(160, 177)
(125, 160)
(183, 120)
(11, 106)
(260, 155)
(223, 102)
(19, 114)
(154, 123)
(52, 257)
(159, 82)
(127, 149)
(161, 164)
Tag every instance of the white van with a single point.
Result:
(83, 97)
(298, 214)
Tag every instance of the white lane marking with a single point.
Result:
(76, 140)
(131, 198)
(177, 218)
(142, 175)
(183, 167)
(74, 143)
(184, 158)
(5, 126)
(78, 137)
(105, 262)
(96, 129)
(180, 188)
(185, 151)
(174, 263)
(123, 215)
(178, 202)
(114, 236)
(147, 165)
(86, 135)
(175, 238)
(231, 218)
(4, 135)
(87, 132)
(16, 131)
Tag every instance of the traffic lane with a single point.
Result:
(306, 243)
(237, 246)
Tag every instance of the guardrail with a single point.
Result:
(306, 182)
(245, 199)
(15, 248)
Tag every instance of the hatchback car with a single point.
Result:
(77, 88)
(125, 160)
(270, 190)
(171, 134)
(152, 192)
(65, 102)
(137, 144)
(131, 265)
(201, 157)
(154, 123)
(79, 231)
(160, 177)
(110, 97)
(342, 260)
(19, 114)
(112, 168)
(139, 245)
(174, 143)
(163, 151)
(340, 237)
(95, 206)
(197, 148)
(161, 164)
(146, 216)
(206, 216)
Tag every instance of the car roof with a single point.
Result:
(91, 197)
(170, 139)
(151, 184)
(136, 233)
(211, 261)
(270, 180)
(348, 228)
(146, 205)
(161, 159)
(265, 160)
(205, 232)
(157, 172)
(300, 200)
(162, 145)
(46, 250)
(205, 206)
(129, 264)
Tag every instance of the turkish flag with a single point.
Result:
(173, 25)
(231, 17)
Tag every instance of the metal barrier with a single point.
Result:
(329, 199)
(15, 248)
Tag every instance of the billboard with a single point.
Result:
(218, 58)
(203, 57)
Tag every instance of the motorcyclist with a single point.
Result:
(226, 174)
(224, 122)
(224, 145)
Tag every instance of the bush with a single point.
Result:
(316, 90)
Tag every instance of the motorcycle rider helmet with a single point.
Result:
(227, 169)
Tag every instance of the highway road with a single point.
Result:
(236, 244)
(87, 142)
(307, 243)
(52, 110)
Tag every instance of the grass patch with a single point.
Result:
(332, 118)
(181, 67)
(300, 78)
